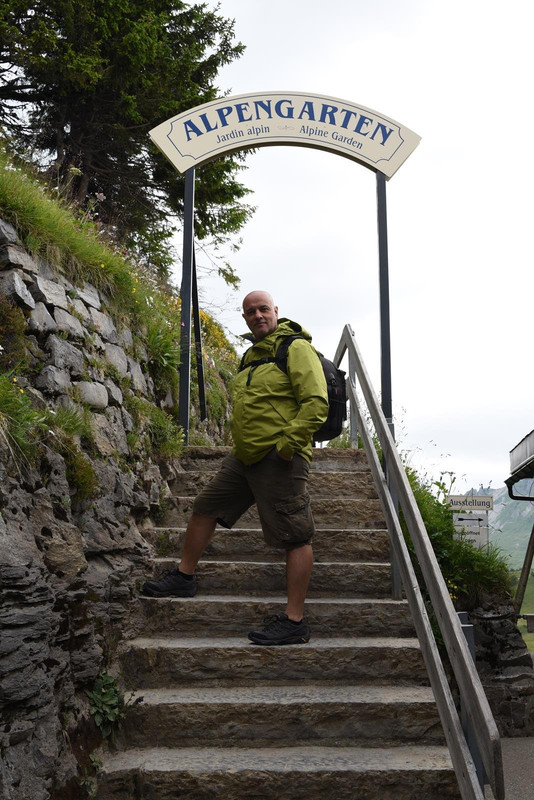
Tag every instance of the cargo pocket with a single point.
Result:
(294, 517)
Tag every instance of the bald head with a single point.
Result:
(260, 313)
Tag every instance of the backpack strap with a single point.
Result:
(280, 357)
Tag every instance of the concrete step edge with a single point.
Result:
(162, 561)
(276, 599)
(240, 642)
(411, 757)
(287, 695)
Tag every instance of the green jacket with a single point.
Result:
(271, 408)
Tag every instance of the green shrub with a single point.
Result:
(13, 353)
(166, 436)
(471, 575)
(22, 427)
(106, 704)
(81, 474)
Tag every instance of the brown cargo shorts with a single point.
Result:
(279, 489)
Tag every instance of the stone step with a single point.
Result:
(169, 662)
(299, 773)
(360, 579)
(329, 514)
(280, 714)
(357, 484)
(325, 459)
(331, 544)
(224, 615)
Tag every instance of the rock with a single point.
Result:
(66, 322)
(89, 295)
(53, 380)
(80, 308)
(104, 325)
(125, 338)
(49, 292)
(12, 285)
(94, 394)
(41, 321)
(57, 484)
(97, 342)
(114, 393)
(65, 355)
(138, 378)
(8, 234)
(36, 397)
(109, 433)
(127, 420)
(117, 357)
(45, 270)
(141, 352)
(14, 256)
(61, 545)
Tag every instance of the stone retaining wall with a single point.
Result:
(68, 571)
(505, 668)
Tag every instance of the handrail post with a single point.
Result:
(184, 396)
(353, 427)
(396, 579)
(467, 727)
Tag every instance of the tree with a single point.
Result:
(81, 84)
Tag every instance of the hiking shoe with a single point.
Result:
(171, 585)
(279, 629)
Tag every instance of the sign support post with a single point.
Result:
(385, 332)
(184, 395)
(198, 345)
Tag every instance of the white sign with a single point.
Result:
(261, 119)
(470, 502)
(473, 527)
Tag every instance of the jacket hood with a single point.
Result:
(285, 327)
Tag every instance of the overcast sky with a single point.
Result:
(459, 74)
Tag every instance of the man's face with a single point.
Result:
(260, 314)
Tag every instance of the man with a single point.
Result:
(273, 420)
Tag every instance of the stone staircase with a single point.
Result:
(348, 715)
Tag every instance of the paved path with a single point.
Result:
(518, 759)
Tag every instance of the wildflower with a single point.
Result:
(102, 266)
(134, 290)
(14, 380)
(21, 391)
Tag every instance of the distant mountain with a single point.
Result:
(510, 524)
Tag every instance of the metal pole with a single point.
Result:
(185, 294)
(353, 426)
(198, 345)
(385, 347)
(383, 265)
(525, 572)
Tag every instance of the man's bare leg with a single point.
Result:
(299, 563)
(198, 535)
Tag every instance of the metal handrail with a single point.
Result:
(472, 695)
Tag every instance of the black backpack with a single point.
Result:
(335, 384)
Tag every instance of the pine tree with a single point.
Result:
(81, 84)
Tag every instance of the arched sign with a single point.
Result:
(263, 119)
